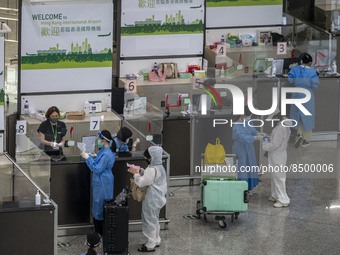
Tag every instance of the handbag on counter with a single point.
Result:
(171, 69)
(214, 153)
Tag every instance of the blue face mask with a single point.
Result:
(100, 144)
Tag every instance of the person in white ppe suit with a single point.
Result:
(277, 157)
(154, 178)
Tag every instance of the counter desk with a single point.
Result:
(71, 190)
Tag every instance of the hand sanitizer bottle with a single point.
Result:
(26, 108)
(38, 198)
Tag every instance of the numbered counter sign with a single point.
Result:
(221, 49)
(281, 48)
(21, 127)
(94, 123)
(131, 86)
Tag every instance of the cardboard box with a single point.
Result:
(80, 115)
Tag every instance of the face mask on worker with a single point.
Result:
(100, 144)
(54, 120)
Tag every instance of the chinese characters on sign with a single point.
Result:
(153, 3)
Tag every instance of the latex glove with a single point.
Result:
(84, 155)
(132, 168)
(54, 145)
(60, 144)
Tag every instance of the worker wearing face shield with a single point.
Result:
(102, 177)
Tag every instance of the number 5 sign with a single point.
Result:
(281, 48)
(131, 86)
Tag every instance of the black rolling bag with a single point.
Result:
(116, 225)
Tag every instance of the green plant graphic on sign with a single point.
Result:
(80, 55)
(173, 24)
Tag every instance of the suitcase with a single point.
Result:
(116, 228)
(225, 196)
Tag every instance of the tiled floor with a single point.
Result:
(310, 225)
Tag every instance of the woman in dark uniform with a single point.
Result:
(52, 132)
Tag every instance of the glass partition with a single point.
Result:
(33, 162)
(16, 185)
(145, 117)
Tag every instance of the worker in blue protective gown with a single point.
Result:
(244, 137)
(122, 139)
(303, 76)
(102, 177)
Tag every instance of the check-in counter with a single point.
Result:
(70, 178)
(71, 190)
(76, 129)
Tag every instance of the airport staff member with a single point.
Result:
(303, 76)
(244, 137)
(122, 139)
(52, 132)
(102, 177)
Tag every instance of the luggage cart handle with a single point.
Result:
(246, 196)
(227, 155)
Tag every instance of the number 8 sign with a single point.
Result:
(21, 127)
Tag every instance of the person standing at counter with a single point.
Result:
(121, 139)
(277, 157)
(52, 132)
(154, 178)
(303, 76)
(244, 137)
(102, 177)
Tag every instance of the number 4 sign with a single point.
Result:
(281, 48)
(221, 49)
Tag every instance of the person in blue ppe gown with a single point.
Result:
(102, 177)
(154, 178)
(244, 137)
(122, 139)
(277, 157)
(303, 76)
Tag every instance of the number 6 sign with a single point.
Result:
(131, 86)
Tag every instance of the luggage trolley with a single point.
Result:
(222, 194)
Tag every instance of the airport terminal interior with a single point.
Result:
(162, 69)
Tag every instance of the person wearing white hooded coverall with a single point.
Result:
(154, 177)
(277, 157)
